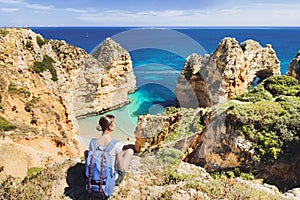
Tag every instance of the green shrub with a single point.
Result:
(271, 87)
(40, 41)
(169, 156)
(33, 171)
(6, 125)
(270, 126)
(30, 103)
(255, 95)
(28, 45)
(46, 64)
(3, 32)
(173, 177)
(14, 89)
(282, 85)
(189, 122)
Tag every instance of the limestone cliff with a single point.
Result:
(227, 72)
(115, 82)
(294, 67)
(44, 86)
(258, 131)
(44, 126)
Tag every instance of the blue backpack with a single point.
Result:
(98, 170)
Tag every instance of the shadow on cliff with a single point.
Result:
(76, 182)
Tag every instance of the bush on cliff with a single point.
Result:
(282, 85)
(189, 122)
(40, 41)
(3, 32)
(255, 95)
(273, 126)
(170, 156)
(6, 125)
(46, 64)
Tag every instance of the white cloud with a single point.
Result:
(12, 1)
(39, 7)
(80, 10)
(259, 14)
(255, 14)
(9, 10)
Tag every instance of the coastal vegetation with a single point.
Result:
(272, 123)
(190, 122)
(28, 45)
(41, 183)
(14, 89)
(40, 41)
(30, 104)
(3, 32)
(46, 64)
(6, 125)
(38, 183)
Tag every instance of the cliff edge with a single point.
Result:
(45, 85)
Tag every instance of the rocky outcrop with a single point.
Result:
(103, 89)
(257, 131)
(211, 79)
(173, 128)
(294, 67)
(45, 85)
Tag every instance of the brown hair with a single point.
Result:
(105, 121)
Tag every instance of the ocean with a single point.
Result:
(158, 55)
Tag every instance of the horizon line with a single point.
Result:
(147, 26)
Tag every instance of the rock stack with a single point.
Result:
(211, 79)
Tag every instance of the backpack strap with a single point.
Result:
(101, 173)
(111, 145)
(90, 174)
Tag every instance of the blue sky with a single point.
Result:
(149, 13)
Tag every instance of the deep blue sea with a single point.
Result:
(158, 55)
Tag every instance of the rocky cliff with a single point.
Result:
(294, 67)
(256, 132)
(227, 72)
(44, 86)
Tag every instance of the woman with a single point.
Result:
(120, 158)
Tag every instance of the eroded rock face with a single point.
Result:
(177, 129)
(106, 88)
(220, 146)
(294, 67)
(211, 79)
(45, 85)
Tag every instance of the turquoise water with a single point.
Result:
(158, 59)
